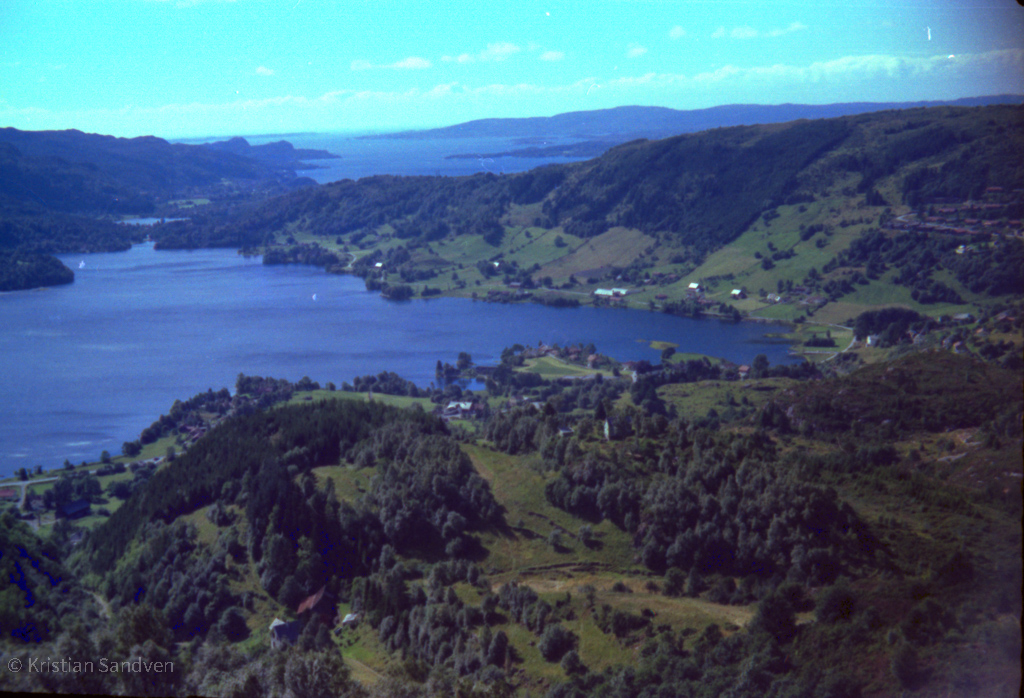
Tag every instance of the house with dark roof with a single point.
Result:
(75, 510)
(284, 634)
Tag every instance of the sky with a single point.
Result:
(192, 68)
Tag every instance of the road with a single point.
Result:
(24, 485)
(24, 488)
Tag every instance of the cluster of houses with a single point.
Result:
(461, 409)
(318, 608)
(798, 294)
(497, 296)
(968, 217)
(611, 293)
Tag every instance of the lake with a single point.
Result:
(87, 366)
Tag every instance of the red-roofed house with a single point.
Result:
(319, 605)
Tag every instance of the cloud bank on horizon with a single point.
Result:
(179, 68)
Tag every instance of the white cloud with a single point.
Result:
(743, 33)
(411, 63)
(499, 51)
(794, 27)
(862, 78)
(676, 32)
(635, 51)
(552, 56)
(494, 52)
(263, 70)
(746, 32)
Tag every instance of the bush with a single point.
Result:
(775, 616)
(572, 664)
(555, 642)
(232, 624)
(837, 603)
(675, 581)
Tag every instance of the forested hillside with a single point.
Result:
(793, 533)
(63, 191)
(918, 208)
(700, 190)
(569, 525)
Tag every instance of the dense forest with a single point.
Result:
(22, 270)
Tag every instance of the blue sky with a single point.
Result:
(179, 68)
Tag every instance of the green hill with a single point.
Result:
(786, 534)
(834, 216)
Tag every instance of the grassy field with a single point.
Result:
(518, 485)
(695, 400)
(616, 247)
(349, 482)
(395, 400)
(550, 367)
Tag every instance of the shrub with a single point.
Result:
(837, 603)
(675, 581)
(555, 642)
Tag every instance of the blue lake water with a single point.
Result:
(362, 156)
(87, 366)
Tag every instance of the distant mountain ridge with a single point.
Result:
(630, 122)
(61, 191)
(146, 165)
(279, 152)
(693, 192)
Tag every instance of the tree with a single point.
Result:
(291, 593)
(694, 584)
(105, 457)
(131, 448)
(775, 616)
(232, 624)
(675, 581)
(555, 641)
(316, 674)
(904, 665)
(119, 489)
(464, 361)
(138, 623)
(835, 604)
(572, 664)
(497, 649)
